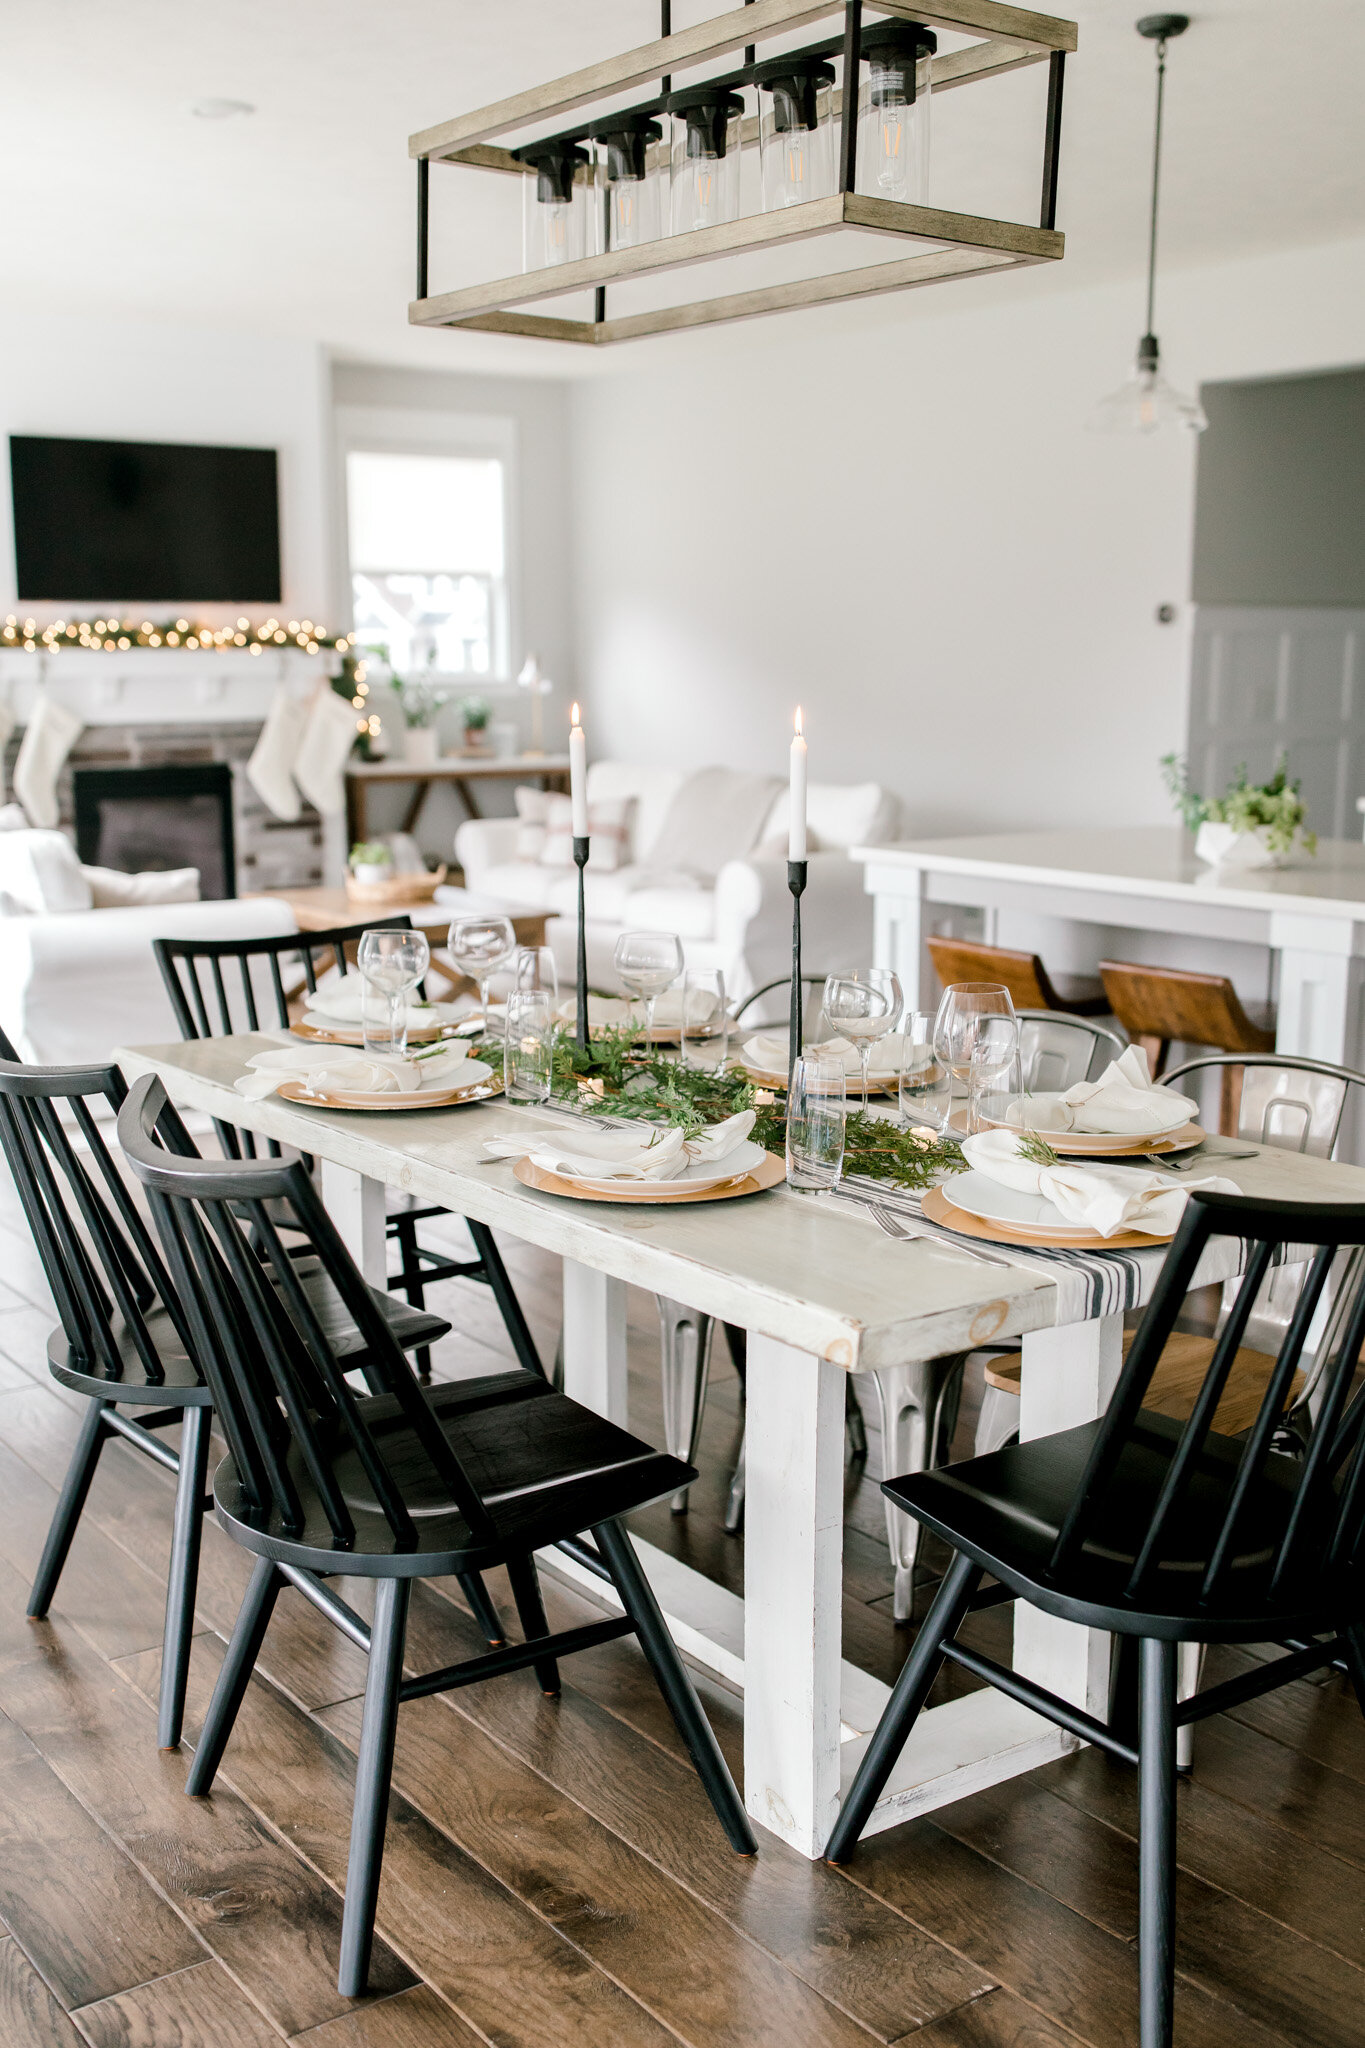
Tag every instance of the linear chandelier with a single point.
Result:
(615, 193)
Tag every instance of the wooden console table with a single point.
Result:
(463, 771)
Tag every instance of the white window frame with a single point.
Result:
(402, 430)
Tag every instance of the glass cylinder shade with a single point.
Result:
(556, 205)
(632, 171)
(707, 134)
(893, 115)
(795, 138)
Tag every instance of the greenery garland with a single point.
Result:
(115, 636)
(615, 1075)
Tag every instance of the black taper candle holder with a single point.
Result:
(580, 861)
(796, 882)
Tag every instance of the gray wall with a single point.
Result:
(1280, 503)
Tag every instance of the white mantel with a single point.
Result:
(157, 685)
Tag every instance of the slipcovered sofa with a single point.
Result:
(737, 920)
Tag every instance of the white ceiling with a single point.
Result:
(299, 219)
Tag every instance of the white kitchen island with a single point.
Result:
(1310, 915)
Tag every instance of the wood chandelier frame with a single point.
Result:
(1008, 39)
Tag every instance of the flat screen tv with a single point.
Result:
(144, 521)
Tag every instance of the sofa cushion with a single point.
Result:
(524, 884)
(533, 810)
(608, 832)
(605, 896)
(40, 872)
(838, 815)
(653, 790)
(672, 907)
(717, 815)
(111, 889)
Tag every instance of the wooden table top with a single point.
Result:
(320, 910)
(455, 767)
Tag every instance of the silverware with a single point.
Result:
(893, 1227)
(1197, 1159)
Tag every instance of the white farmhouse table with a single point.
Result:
(821, 1292)
(1311, 914)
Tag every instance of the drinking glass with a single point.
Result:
(479, 945)
(925, 1085)
(646, 964)
(535, 968)
(528, 1045)
(864, 1007)
(704, 1038)
(993, 1081)
(961, 1009)
(816, 1108)
(391, 963)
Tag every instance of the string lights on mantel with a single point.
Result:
(791, 145)
(117, 636)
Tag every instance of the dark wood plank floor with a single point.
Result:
(554, 1878)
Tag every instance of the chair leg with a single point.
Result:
(1353, 1642)
(670, 1674)
(75, 1487)
(183, 1580)
(534, 1622)
(908, 1695)
(253, 1619)
(510, 1309)
(685, 1364)
(734, 1499)
(855, 1429)
(912, 1401)
(1189, 1669)
(1156, 1868)
(374, 1769)
(408, 1280)
(482, 1607)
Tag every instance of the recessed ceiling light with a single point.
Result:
(221, 110)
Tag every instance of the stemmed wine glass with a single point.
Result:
(864, 1007)
(479, 946)
(646, 964)
(392, 962)
(964, 1013)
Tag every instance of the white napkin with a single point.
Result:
(1124, 1102)
(342, 1001)
(346, 1067)
(1106, 1199)
(768, 1052)
(646, 1153)
(604, 1012)
(702, 1006)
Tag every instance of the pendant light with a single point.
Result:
(1146, 402)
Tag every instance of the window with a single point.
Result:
(428, 561)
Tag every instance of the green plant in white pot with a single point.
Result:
(475, 713)
(371, 860)
(420, 705)
(1252, 825)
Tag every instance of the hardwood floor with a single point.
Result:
(553, 1875)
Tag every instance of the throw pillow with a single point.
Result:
(608, 833)
(111, 889)
(532, 811)
(40, 870)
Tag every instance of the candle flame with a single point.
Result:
(800, 729)
(573, 715)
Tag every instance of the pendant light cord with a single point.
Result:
(1156, 185)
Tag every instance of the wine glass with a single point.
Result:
(479, 946)
(646, 964)
(392, 962)
(961, 1011)
(864, 1007)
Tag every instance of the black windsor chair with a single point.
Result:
(1167, 1532)
(207, 1006)
(414, 1482)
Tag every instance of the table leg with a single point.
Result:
(460, 783)
(419, 797)
(595, 1341)
(793, 1565)
(355, 811)
(899, 924)
(355, 1204)
(1068, 1376)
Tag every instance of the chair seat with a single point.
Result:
(545, 1467)
(1004, 1510)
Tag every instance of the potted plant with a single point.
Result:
(420, 704)
(371, 861)
(1252, 825)
(475, 713)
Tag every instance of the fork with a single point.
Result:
(1198, 1160)
(893, 1227)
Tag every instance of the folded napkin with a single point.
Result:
(1106, 1199)
(604, 1012)
(702, 1006)
(646, 1153)
(768, 1052)
(346, 1067)
(1124, 1102)
(342, 1001)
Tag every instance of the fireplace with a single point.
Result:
(177, 815)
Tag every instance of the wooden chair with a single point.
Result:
(1023, 974)
(412, 1483)
(1158, 1005)
(123, 1337)
(1165, 1533)
(207, 1006)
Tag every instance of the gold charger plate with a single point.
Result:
(939, 1209)
(344, 1034)
(1102, 1144)
(422, 1098)
(853, 1085)
(769, 1174)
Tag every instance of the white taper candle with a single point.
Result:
(796, 835)
(578, 776)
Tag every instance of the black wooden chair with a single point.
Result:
(1166, 1532)
(123, 1338)
(207, 1005)
(411, 1483)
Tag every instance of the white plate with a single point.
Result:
(734, 1166)
(981, 1196)
(1044, 1098)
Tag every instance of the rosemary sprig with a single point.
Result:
(1036, 1150)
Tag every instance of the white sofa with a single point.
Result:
(741, 923)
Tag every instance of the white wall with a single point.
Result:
(893, 516)
(119, 381)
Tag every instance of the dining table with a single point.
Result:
(823, 1289)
